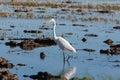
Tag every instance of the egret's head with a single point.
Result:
(51, 20)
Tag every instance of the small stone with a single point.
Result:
(10, 65)
(25, 75)
(21, 64)
(89, 50)
(108, 41)
(42, 55)
(91, 35)
(84, 39)
(116, 27)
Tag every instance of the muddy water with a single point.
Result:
(73, 27)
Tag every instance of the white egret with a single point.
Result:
(61, 42)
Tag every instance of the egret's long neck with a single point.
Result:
(54, 34)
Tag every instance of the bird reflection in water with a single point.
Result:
(68, 74)
(70, 71)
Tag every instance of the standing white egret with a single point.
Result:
(61, 42)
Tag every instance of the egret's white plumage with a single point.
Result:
(64, 44)
(61, 42)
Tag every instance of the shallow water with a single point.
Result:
(92, 64)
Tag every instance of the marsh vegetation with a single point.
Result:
(28, 50)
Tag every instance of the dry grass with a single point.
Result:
(30, 15)
(20, 15)
(3, 14)
(65, 5)
(74, 8)
(45, 16)
(35, 3)
(53, 5)
(15, 3)
(98, 19)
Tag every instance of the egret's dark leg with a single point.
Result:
(63, 57)
(66, 58)
(63, 61)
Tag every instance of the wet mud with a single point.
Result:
(32, 31)
(109, 41)
(30, 44)
(48, 76)
(89, 50)
(113, 50)
(4, 73)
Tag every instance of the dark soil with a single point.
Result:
(5, 74)
(5, 64)
(89, 50)
(114, 50)
(30, 44)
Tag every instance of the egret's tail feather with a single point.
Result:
(74, 51)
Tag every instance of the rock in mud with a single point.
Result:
(42, 76)
(5, 64)
(116, 27)
(44, 28)
(116, 61)
(45, 41)
(84, 39)
(25, 75)
(12, 44)
(91, 35)
(20, 10)
(114, 50)
(115, 46)
(42, 55)
(30, 44)
(89, 50)
(90, 59)
(6, 75)
(109, 41)
(2, 38)
(117, 65)
(48, 76)
(104, 11)
(21, 64)
(32, 31)
(12, 26)
(108, 51)
(78, 25)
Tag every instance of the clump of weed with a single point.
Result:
(30, 15)
(3, 14)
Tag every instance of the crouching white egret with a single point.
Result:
(61, 42)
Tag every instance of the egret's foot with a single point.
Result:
(68, 57)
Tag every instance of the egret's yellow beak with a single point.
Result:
(47, 22)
